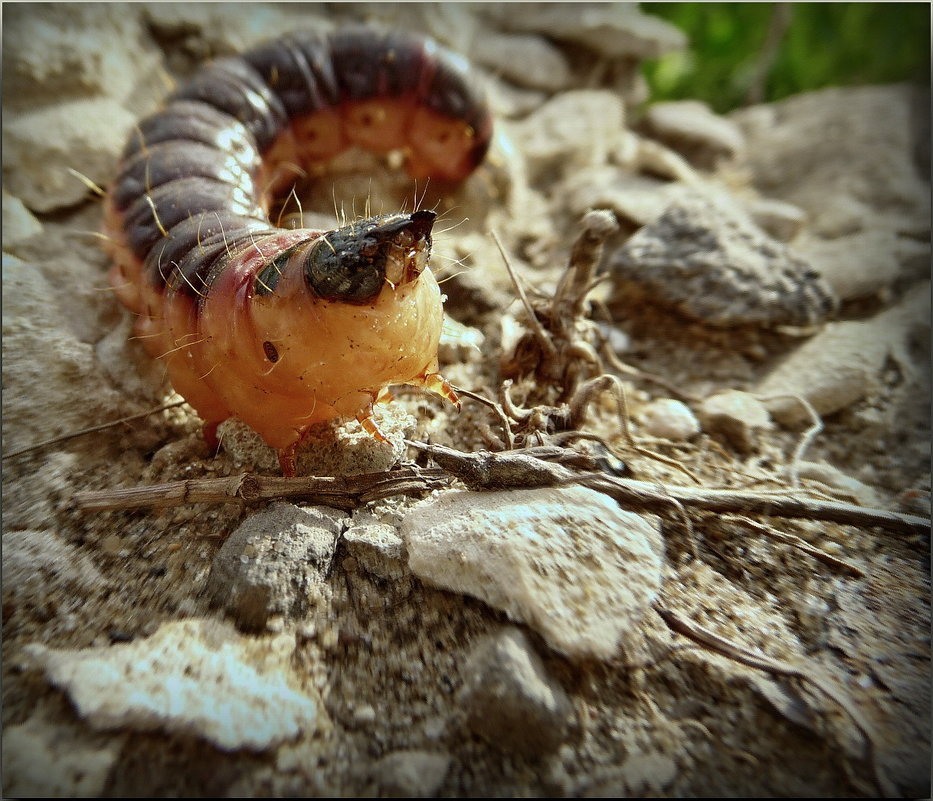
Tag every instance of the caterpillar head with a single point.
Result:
(354, 263)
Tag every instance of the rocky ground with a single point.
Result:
(764, 296)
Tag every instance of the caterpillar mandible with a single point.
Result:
(282, 328)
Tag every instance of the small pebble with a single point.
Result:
(737, 417)
(668, 418)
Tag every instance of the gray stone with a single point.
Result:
(705, 258)
(776, 218)
(568, 562)
(737, 417)
(524, 59)
(65, 51)
(269, 564)
(19, 225)
(338, 448)
(41, 759)
(378, 549)
(410, 773)
(510, 700)
(692, 128)
(42, 146)
(845, 156)
(613, 30)
(574, 129)
(862, 264)
(38, 565)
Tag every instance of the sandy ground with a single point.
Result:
(505, 642)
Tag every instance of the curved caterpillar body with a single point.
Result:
(287, 328)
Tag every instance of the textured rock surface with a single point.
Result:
(42, 760)
(845, 156)
(693, 128)
(570, 564)
(611, 29)
(272, 562)
(737, 417)
(706, 259)
(193, 677)
(510, 700)
(385, 652)
(410, 774)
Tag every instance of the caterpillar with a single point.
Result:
(285, 328)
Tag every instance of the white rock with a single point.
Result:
(41, 759)
(737, 416)
(41, 146)
(669, 419)
(378, 549)
(192, 677)
(569, 563)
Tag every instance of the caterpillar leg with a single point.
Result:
(287, 463)
(439, 385)
(369, 425)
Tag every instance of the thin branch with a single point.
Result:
(515, 469)
(816, 426)
(759, 661)
(802, 545)
(91, 430)
(340, 492)
(540, 334)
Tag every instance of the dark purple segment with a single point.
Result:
(195, 159)
(185, 261)
(370, 64)
(233, 86)
(194, 121)
(172, 160)
(175, 202)
(297, 68)
(451, 93)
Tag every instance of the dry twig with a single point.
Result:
(91, 430)
(340, 492)
(759, 661)
(521, 469)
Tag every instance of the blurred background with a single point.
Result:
(741, 53)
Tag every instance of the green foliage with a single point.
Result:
(750, 52)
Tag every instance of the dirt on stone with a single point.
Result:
(403, 682)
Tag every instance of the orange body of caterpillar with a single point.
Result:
(287, 328)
